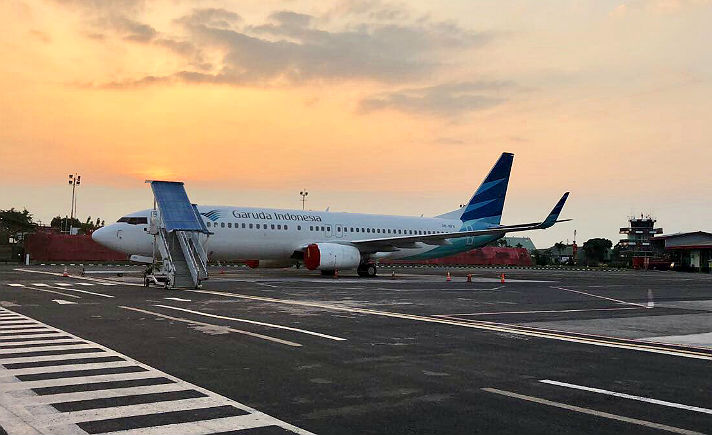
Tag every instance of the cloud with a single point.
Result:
(213, 17)
(444, 100)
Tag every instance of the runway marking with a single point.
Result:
(87, 284)
(218, 327)
(178, 299)
(76, 394)
(77, 290)
(85, 278)
(63, 302)
(592, 412)
(628, 396)
(271, 325)
(48, 291)
(15, 285)
(489, 326)
(600, 297)
(538, 311)
(62, 284)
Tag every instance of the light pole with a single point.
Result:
(304, 194)
(74, 180)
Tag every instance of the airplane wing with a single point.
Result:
(404, 242)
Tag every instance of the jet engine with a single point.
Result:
(331, 256)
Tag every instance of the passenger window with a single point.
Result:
(207, 224)
(357, 230)
(285, 227)
(328, 228)
(243, 225)
(272, 226)
(250, 226)
(257, 226)
(378, 230)
(229, 224)
(299, 227)
(311, 228)
(368, 230)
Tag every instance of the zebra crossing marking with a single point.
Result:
(56, 382)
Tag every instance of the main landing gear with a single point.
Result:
(367, 270)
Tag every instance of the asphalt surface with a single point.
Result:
(286, 351)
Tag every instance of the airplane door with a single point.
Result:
(339, 231)
(328, 232)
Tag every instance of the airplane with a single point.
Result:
(330, 241)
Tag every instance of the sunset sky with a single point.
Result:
(372, 106)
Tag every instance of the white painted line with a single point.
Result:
(63, 302)
(593, 412)
(601, 297)
(63, 284)
(22, 327)
(28, 344)
(86, 292)
(43, 348)
(40, 284)
(85, 278)
(43, 335)
(216, 327)
(126, 411)
(17, 321)
(69, 367)
(178, 299)
(538, 311)
(629, 396)
(15, 285)
(271, 325)
(100, 394)
(489, 326)
(50, 291)
(87, 284)
(28, 385)
(6, 333)
(63, 357)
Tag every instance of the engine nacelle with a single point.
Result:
(331, 256)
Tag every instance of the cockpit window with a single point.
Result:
(134, 220)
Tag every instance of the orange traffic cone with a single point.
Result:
(222, 271)
(65, 273)
(469, 277)
(336, 273)
(502, 277)
(448, 279)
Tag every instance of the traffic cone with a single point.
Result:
(336, 273)
(65, 273)
(469, 277)
(502, 277)
(222, 271)
(448, 279)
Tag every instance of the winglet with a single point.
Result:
(554, 215)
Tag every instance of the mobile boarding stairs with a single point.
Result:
(178, 231)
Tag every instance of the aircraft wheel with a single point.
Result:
(371, 271)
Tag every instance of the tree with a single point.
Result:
(14, 221)
(595, 249)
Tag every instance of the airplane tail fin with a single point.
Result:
(488, 201)
(554, 215)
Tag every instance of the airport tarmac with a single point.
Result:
(288, 351)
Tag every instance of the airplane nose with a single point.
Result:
(101, 236)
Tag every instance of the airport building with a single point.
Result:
(686, 251)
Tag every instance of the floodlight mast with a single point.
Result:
(304, 194)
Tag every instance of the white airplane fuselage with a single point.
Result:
(243, 233)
